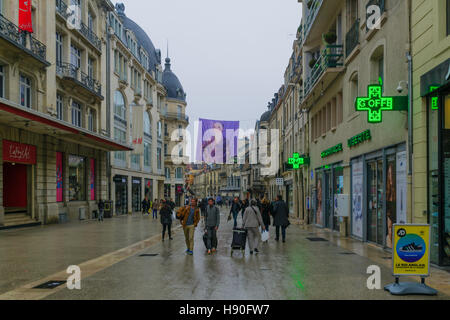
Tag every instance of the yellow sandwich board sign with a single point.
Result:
(411, 250)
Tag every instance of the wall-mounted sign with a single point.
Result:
(359, 138)
(18, 152)
(280, 182)
(336, 149)
(434, 100)
(375, 103)
(296, 161)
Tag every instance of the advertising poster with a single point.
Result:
(92, 178)
(357, 198)
(411, 252)
(225, 144)
(59, 177)
(401, 187)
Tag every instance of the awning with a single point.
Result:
(14, 115)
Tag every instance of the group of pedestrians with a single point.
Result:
(256, 215)
(153, 206)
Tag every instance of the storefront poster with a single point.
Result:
(401, 187)
(357, 198)
(59, 177)
(411, 254)
(92, 178)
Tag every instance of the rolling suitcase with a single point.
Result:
(239, 240)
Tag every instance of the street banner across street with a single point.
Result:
(411, 250)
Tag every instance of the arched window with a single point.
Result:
(119, 105)
(147, 124)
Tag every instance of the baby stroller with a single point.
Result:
(239, 240)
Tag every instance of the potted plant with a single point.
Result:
(330, 37)
(312, 62)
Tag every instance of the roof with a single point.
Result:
(172, 84)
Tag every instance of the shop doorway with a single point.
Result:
(329, 199)
(338, 188)
(15, 188)
(121, 186)
(375, 201)
(136, 194)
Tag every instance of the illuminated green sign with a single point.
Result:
(360, 138)
(333, 150)
(375, 103)
(296, 161)
(434, 100)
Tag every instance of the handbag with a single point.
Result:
(265, 236)
(174, 215)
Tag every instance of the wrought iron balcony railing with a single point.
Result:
(22, 39)
(313, 7)
(352, 38)
(68, 70)
(175, 116)
(89, 34)
(331, 57)
(380, 3)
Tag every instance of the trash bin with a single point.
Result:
(82, 213)
(63, 217)
(109, 209)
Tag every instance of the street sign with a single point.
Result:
(280, 181)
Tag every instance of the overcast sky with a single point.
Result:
(230, 56)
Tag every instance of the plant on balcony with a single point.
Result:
(330, 37)
(309, 4)
(312, 62)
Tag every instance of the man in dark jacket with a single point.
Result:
(166, 219)
(145, 205)
(235, 208)
(280, 213)
(212, 222)
(245, 204)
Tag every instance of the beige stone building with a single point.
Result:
(54, 140)
(430, 30)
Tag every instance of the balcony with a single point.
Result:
(175, 116)
(352, 38)
(23, 41)
(331, 57)
(73, 74)
(313, 9)
(84, 30)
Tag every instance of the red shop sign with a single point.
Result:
(18, 152)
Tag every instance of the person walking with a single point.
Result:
(252, 222)
(212, 222)
(244, 206)
(101, 209)
(155, 205)
(145, 205)
(189, 217)
(280, 215)
(265, 212)
(234, 210)
(166, 219)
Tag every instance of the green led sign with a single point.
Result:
(360, 138)
(333, 150)
(296, 161)
(375, 103)
(434, 100)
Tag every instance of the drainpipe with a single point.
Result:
(410, 113)
(108, 107)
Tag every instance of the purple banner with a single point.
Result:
(217, 141)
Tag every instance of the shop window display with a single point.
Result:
(77, 178)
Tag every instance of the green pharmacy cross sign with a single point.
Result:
(296, 161)
(375, 103)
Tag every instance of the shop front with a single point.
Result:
(435, 88)
(379, 194)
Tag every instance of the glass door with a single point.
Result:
(329, 200)
(375, 201)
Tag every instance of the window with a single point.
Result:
(180, 131)
(147, 124)
(25, 91)
(76, 114)
(165, 149)
(90, 68)
(179, 109)
(59, 106)
(75, 56)
(91, 119)
(59, 49)
(116, 62)
(159, 129)
(354, 91)
(77, 178)
(119, 106)
(166, 133)
(2, 80)
(167, 173)
(179, 173)
(147, 154)
(159, 158)
(90, 20)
